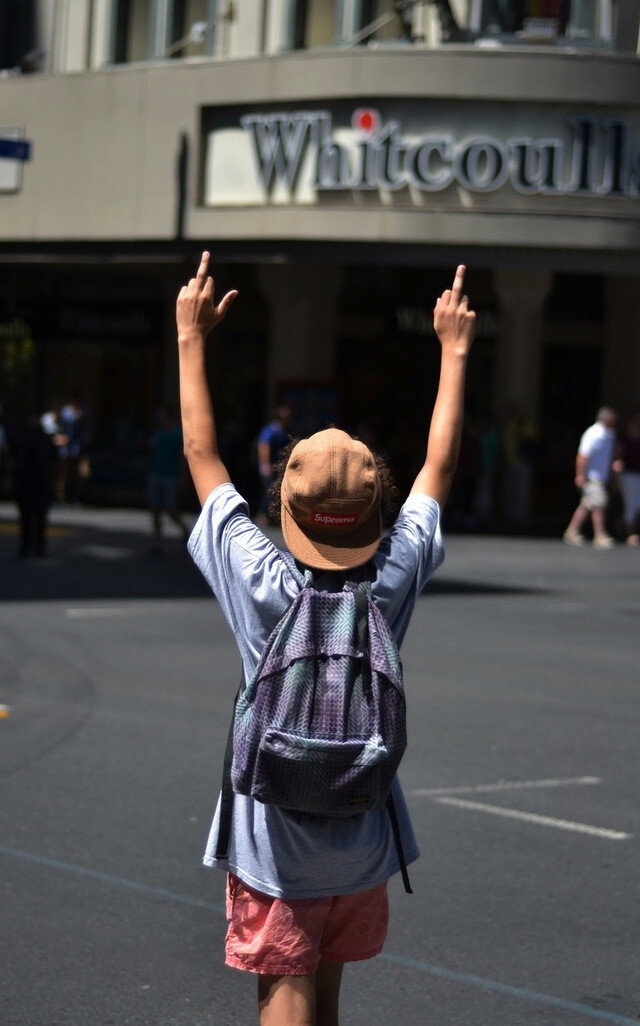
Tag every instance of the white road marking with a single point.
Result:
(105, 552)
(91, 612)
(503, 785)
(531, 817)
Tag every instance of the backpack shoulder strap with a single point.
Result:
(226, 790)
(303, 575)
(304, 578)
(363, 597)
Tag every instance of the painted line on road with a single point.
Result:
(522, 993)
(114, 881)
(109, 552)
(532, 817)
(505, 988)
(96, 612)
(504, 785)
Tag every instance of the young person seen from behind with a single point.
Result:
(305, 894)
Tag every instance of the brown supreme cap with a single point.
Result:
(330, 502)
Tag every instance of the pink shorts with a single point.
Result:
(290, 937)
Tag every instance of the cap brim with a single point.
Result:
(343, 552)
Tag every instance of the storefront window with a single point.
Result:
(18, 373)
(571, 384)
(388, 359)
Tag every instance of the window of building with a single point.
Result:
(299, 17)
(130, 31)
(143, 29)
(365, 21)
(310, 23)
(17, 33)
(542, 21)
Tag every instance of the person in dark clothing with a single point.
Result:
(271, 441)
(33, 456)
(627, 466)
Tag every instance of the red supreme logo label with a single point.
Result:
(331, 520)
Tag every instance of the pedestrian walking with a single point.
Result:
(489, 442)
(164, 476)
(593, 470)
(33, 460)
(519, 444)
(53, 426)
(272, 439)
(307, 893)
(627, 467)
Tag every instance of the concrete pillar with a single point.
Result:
(101, 32)
(303, 307)
(521, 296)
(621, 372)
(278, 27)
(244, 33)
(70, 36)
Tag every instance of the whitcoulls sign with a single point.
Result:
(302, 156)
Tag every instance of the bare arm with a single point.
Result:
(581, 469)
(455, 326)
(196, 316)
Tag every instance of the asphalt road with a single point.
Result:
(117, 674)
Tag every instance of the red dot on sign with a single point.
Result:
(366, 120)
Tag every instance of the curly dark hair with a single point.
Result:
(389, 499)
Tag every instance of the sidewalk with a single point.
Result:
(97, 554)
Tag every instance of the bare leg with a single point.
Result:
(572, 535)
(578, 518)
(287, 1000)
(328, 980)
(301, 1000)
(599, 525)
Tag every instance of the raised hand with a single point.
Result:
(196, 310)
(453, 321)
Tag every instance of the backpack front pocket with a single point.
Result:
(319, 776)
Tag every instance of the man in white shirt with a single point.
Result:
(593, 468)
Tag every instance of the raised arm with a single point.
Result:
(454, 324)
(196, 316)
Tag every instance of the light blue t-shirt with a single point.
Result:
(287, 854)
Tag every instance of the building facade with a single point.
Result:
(338, 159)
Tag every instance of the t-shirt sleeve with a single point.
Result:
(406, 559)
(243, 568)
(587, 442)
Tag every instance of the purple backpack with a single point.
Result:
(321, 726)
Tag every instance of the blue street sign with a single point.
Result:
(15, 149)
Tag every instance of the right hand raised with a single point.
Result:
(453, 321)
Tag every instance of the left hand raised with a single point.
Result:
(196, 311)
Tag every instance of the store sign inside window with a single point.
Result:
(295, 157)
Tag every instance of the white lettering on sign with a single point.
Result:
(298, 155)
